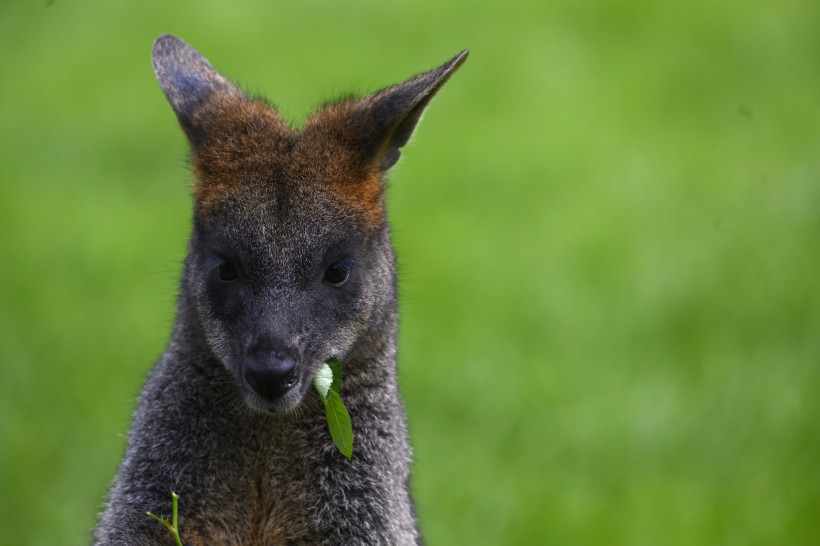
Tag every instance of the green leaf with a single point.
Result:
(322, 380)
(336, 368)
(338, 421)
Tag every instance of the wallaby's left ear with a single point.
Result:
(393, 113)
(187, 79)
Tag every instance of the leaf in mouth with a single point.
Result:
(328, 383)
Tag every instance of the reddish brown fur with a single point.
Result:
(245, 142)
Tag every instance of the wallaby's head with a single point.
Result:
(290, 261)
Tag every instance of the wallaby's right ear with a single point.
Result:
(187, 79)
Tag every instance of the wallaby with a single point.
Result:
(289, 264)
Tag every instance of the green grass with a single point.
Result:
(607, 226)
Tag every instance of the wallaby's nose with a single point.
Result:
(270, 369)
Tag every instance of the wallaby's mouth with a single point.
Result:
(279, 397)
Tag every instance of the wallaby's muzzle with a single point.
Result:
(270, 368)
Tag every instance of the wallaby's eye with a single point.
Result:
(220, 269)
(339, 273)
(226, 272)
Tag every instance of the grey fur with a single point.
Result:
(249, 470)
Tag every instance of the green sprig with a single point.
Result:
(173, 525)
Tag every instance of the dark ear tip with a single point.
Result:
(459, 59)
(168, 47)
(165, 43)
(166, 39)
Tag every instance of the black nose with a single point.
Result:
(270, 369)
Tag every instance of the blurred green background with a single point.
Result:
(608, 228)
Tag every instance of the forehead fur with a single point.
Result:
(243, 145)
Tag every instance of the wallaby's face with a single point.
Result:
(283, 282)
(290, 262)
